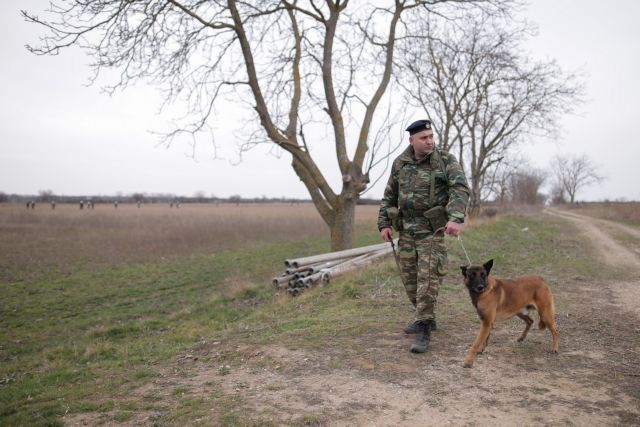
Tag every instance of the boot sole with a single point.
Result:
(415, 349)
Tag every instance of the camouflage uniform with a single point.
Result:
(422, 255)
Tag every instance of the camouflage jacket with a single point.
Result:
(409, 189)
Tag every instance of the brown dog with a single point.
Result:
(496, 299)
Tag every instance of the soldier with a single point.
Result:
(426, 197)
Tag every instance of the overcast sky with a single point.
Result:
(58, 134)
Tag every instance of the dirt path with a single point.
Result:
(612, 252)
(372, 380)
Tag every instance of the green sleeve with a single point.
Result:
(458, 190)
(390, 198)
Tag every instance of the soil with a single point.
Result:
(374, 381)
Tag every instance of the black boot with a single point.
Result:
(423, 336)
(412, 328)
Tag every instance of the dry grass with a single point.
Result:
(93, 344)
(109, 236)
(93, 300)
(628, 212)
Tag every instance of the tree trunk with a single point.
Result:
(474, 199)
(342, 226)
(474, 206)
(502, 199)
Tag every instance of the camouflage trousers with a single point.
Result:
(423, 259)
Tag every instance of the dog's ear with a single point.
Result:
(487, 266)
(464, 270)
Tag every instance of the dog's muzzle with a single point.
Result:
(479, 289)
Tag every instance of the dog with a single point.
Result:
(496, 299)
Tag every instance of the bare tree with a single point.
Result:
(301, 66)
(199, 197)
(45, 195)
(514, 180)
(498, 180)
(557, 194)
(525, 187)
(486, 96)
(573, 173)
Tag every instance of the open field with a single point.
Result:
(162, 317)
(627, 212)
(109, 236)
(93, 296)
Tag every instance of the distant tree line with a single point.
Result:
(48, 196)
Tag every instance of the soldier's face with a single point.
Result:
(422, 143)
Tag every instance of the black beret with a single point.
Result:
(418, 126)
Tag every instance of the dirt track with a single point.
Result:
(614, 254)
(594, 380)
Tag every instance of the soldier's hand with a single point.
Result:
(387, 234)
(452, 228)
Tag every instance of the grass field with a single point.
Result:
(108, 236)
(102, 309)
(92, 300)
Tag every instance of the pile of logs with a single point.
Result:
(303, 273)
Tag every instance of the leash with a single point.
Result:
(395, 256)
(464, 250)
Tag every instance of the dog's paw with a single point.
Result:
(468, 364)
(520, 339)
